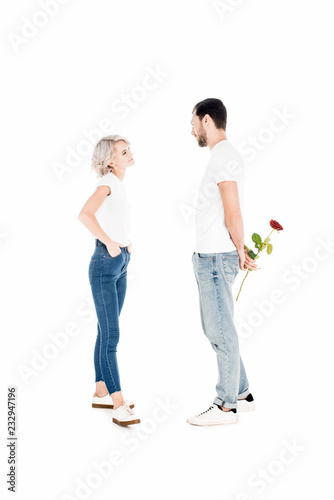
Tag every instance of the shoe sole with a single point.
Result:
(128, 422)
(249, 407)
(218, 423)
(111, 407)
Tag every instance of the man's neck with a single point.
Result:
(220, 136)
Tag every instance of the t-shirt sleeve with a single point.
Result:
(104, 181)
(226, 167)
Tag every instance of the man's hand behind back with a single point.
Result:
(245, 261)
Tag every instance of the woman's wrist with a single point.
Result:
(107, 242)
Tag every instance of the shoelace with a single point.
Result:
(206, 411)
(127, 408)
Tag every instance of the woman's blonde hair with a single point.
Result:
(104, 153)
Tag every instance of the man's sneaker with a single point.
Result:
(124, 415)
(214, 415)
(105, 402)
(246, 404)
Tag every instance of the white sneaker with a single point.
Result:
(214, 415)
(105, 402)
(124, 415)
(246, 404)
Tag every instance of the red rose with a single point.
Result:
(275, 225)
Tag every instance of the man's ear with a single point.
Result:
(206, 119)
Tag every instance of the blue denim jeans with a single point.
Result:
(108, 279)
(215, 274)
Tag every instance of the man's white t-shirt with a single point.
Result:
(115, 212)
(211, 233)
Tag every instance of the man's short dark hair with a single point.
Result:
(213, 107)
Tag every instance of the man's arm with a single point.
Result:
(234, 223)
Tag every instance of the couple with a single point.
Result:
(218, 256)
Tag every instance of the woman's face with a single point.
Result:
(123, 156)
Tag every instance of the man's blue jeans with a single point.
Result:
(108, 279)
(215, 274)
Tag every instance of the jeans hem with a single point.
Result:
(224, 404)
(244, 394)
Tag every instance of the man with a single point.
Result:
(219, 253)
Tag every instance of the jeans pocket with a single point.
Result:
(231, 268)
(108, 256)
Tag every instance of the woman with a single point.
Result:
(106, 216)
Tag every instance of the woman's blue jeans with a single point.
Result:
(108, 279)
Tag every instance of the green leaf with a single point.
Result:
(269, 248)
(256, 238)
(252, 254)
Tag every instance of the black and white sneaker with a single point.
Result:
(246, 404)
(214, 415)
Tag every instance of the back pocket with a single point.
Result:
(231, 268)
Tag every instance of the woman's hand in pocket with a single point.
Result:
(113, 249)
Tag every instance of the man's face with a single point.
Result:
(198, 131)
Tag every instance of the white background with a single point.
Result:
(60, 81)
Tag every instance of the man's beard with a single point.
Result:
(202, 139)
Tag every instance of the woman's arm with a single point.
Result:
(88, 218)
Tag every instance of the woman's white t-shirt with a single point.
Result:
(114, 213)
